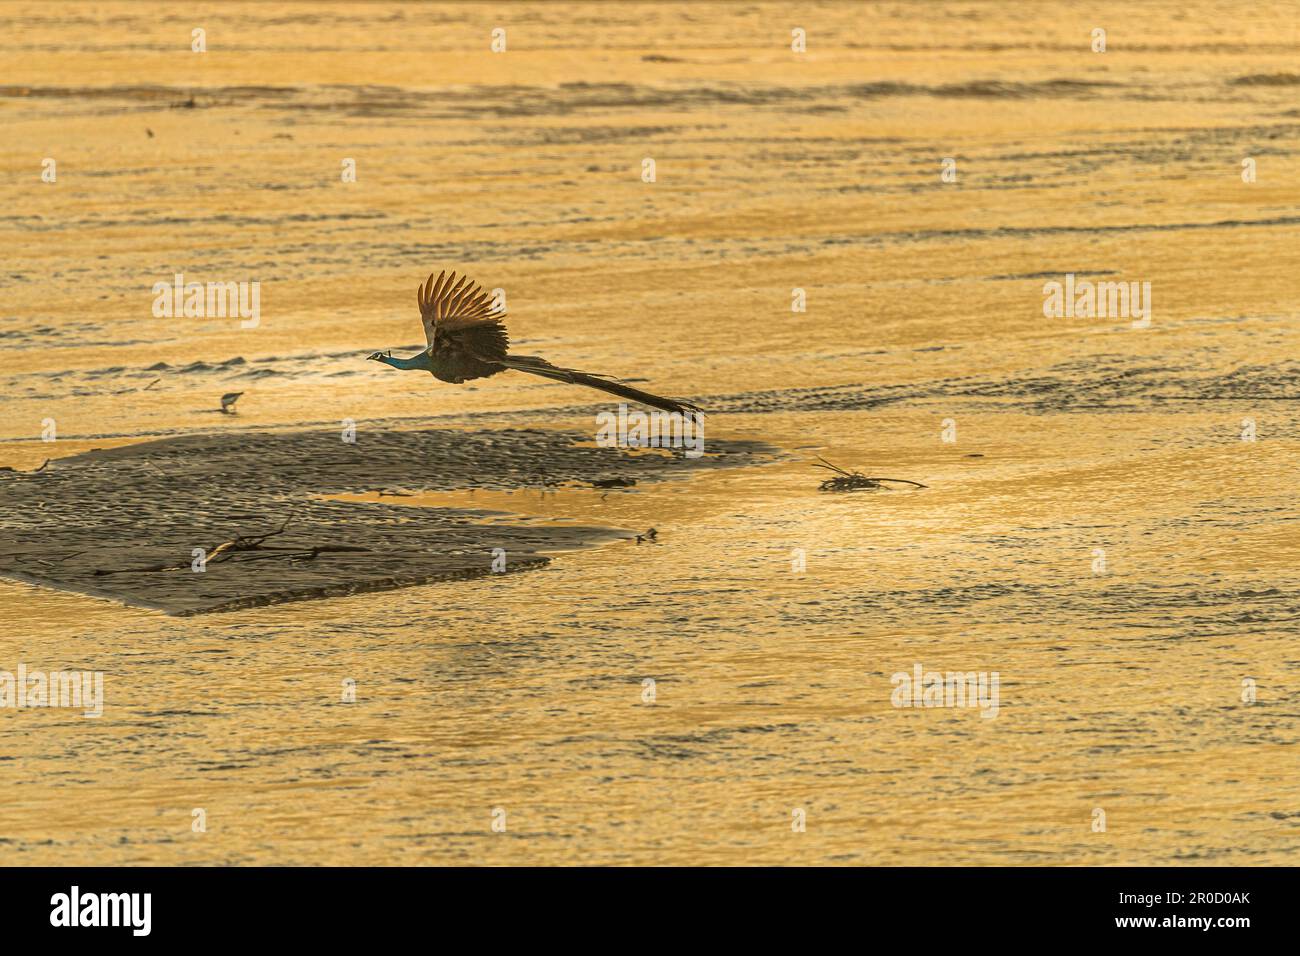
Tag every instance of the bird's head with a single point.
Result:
(378, 356)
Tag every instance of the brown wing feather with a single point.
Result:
(466, 336)
(454, 309)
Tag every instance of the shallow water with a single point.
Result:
(1121, 688)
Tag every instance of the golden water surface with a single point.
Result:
(1099, 531)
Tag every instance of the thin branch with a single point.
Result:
(32, 472)
(853, 480)
(242, 544)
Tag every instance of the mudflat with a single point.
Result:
(214, 522)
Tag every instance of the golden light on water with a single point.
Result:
(1100, 526)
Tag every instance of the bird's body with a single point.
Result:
(467, 340)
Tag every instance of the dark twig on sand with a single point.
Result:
(307, 554)
(32, 472)
(50, 564)
(855, 481)
(241, 544)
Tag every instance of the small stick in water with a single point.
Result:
(853, 480)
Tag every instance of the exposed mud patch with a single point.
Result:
(123, 523)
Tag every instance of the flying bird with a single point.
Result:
(467, 339)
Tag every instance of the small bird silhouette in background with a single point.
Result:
(228, 402)
(467, 340)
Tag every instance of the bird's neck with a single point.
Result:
(419, 360)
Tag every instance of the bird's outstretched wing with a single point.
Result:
(466, 336)
(450, 305)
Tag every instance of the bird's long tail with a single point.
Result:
(539, 366)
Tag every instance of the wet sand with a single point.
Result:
(1096, 527)
(125, 523)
